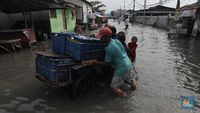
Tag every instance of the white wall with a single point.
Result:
(86, 9)
(158, 21)
(36, 15)
(79, 13)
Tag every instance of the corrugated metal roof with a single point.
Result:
(188, 7)
(158, 8)
(87, 2)
(14, 6)
(188, 13)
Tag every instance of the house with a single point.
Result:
(120, 12)
(35, 16)
(156, 11)
(190, 18)
(157, 16)
(83, 11)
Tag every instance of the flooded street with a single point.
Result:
(167, 68)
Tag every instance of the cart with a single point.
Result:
(79, 76)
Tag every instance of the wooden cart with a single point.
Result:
(81, 76)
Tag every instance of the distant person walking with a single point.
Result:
(126, 24)
(119, 20)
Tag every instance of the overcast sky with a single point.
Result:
(115, 4)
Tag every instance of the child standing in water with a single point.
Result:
(132, 46)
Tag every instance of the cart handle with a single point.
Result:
(75, 64)
(69, 65)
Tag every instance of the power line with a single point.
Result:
(139, 3)
(163, 2)
(150, 5)
(130, 4)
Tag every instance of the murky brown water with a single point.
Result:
(167, 68)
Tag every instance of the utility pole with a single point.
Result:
(178, 5)
(120, 11)
(124, 10)
(145, 4)
(133, 9)
(133, 6)
(177, 13)
(124, 5)
(161, 3)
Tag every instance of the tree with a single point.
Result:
(97, 5)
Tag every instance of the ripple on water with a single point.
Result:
(24, 104)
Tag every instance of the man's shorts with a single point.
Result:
(128, 77)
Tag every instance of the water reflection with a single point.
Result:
(188, 64)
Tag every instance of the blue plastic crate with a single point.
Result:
(52, 74)
(58, 42)
(86, 39)
(85, 51)
(84, 47)
(52, 62)
(89, 55)
(67, 44)
(47, 66)
(82, 44)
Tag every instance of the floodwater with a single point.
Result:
(167, 68)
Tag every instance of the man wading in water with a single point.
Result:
(117, 57)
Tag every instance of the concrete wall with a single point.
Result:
(8, 21)
(57, 23)
(79, 13)
(157, 21)
(4, 21)
(71, 20)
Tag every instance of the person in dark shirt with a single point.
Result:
(114, 31)
(122, 38)
(78, 30)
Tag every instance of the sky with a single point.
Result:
(116, 4)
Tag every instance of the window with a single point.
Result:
(53, 13)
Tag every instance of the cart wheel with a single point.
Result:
(82, 86)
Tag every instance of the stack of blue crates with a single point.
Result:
(85, 48)
(47, 67)
(59, 42)
(79, 47)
